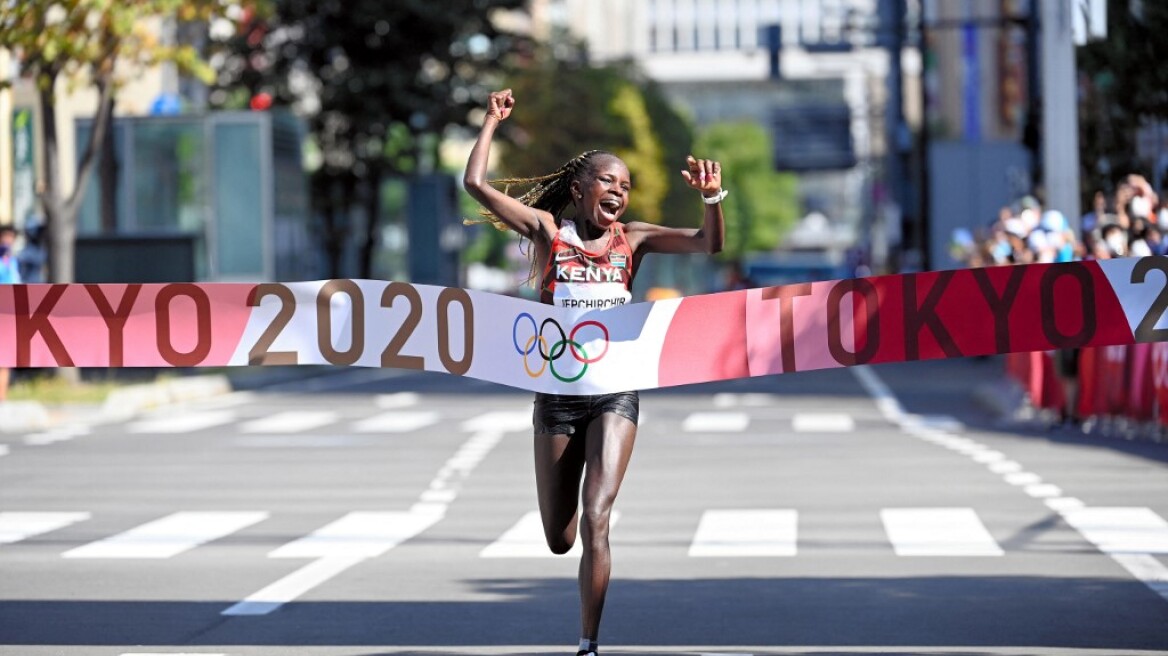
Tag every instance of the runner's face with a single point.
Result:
(604, 198)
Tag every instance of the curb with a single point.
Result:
(121, 404)
(23, 416)
(127, 402)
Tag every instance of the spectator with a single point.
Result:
(9, 275)
(32, 257)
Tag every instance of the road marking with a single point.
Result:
(398, 400)
(834, 422)
(1023, 478)
(526, 540)
(500, 420)
(1121, 530)
(3, 449)
(17, 526)
(358, 536)
(292, 586)
(938, 532)
(1130, 536)
(168, 536)
(1064, 504)
(294, 421)
(1044, 491)
(716, 422)
(753, 400)
(745, 533)
(166, 653)
(1005, 467)
(987, 457)
(771, 650)
(182, 423)
(396, 422)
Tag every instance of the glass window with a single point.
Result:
(239, 200)
(168, 175)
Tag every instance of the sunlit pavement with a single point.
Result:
(870, 511)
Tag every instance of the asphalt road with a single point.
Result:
(363, 513)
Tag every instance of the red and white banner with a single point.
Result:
(539, 347)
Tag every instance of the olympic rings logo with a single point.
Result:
(567, 343)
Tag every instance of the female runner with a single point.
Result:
(586, 435)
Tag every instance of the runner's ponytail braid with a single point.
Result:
(551, 193)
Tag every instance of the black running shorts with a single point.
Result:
(557, 414)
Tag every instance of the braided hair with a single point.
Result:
(551, 193)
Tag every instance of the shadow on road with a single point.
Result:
(953, 611)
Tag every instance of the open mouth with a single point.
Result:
(610, 207)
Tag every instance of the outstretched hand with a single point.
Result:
(705, 175)
(499, 104)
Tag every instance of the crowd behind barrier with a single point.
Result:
(1113, 389)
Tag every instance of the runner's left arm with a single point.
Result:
(705, 176)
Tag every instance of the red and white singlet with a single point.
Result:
(578, 278)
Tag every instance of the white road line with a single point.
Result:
(730, 400)
(526, 540)
(398, 400)
(1044, 491)
(1130, 536)
(938, 532)
(1064, 504)
(3, 449)
(745, 533)
(168, 536)
(17, 526)
(834, 422)
(1005, 467)
(182, 423)
(1023, 478)
(359, 536)
(294, 421)
(396, 422)
(292, 586)
(500, 420)
(166, 653)
(1121, 530)
(716, 422)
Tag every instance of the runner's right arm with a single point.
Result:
(527, 221)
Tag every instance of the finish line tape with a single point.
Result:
(538, 347)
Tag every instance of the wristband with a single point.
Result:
(716, 198)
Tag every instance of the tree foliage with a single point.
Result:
(763, 203)
(1125, 88)
(565, 106)
(379, 83)
(97, 42)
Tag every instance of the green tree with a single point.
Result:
(763, 203)
(1126, 88)
(97, 42)
(566, 106)
(379, 84)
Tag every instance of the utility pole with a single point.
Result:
(1060, 110)
(896, 140)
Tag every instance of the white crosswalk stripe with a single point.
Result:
(716, 422)
(833, 422)
(182, 423)
(168, 536)
(18, 526)
(294, 421)
(396, 422)
(746, 533)
(938, 532)
(526, 540)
